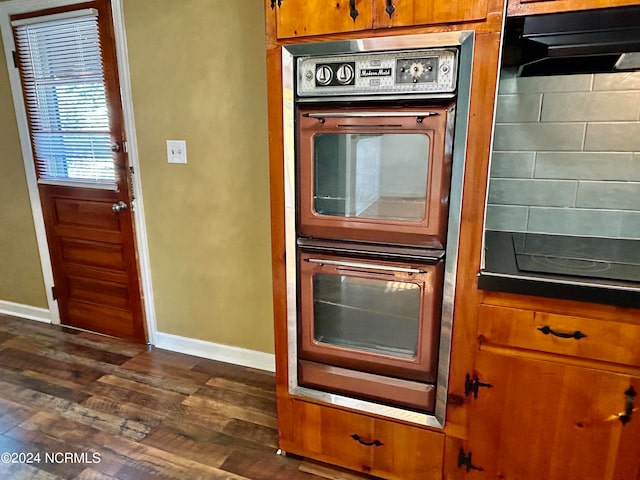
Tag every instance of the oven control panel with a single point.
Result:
(430, 71)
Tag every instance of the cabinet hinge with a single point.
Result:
(472, 384)
(14, 54)
(464, 460)
(53, 292)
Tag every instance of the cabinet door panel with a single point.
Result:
(299, 18)
(533, 7)
(420, 12)
(551, 421)
(598, 339)
(371, 445)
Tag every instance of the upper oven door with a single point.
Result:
(377, 175)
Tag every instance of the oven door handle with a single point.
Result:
(323, 115)
(366, 266)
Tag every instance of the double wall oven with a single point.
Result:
(375, 134)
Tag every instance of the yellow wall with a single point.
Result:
(20, 273)
(198, 73)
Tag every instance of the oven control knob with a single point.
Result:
(344, 74)
(324, 75)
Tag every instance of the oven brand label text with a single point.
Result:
(375, 72)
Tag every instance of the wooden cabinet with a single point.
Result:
(578, 338)
(533, 7)
(544, 420)
(371, 445)
(563, 397)
(419, 12)
(299, 18)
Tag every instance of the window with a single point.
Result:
(61, 67)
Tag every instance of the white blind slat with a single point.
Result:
(56, 18)
(62, 72)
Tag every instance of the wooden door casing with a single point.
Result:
(91, 246)
(547, 420)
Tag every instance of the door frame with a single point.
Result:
(8, 8)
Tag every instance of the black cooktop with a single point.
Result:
(597, 270)
(615, 259)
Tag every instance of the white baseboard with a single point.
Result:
(216, 351)
(25, 311)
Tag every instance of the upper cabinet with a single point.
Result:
(299, 18)
(403, 13)
(532, 7)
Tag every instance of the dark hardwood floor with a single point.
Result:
(75, 405)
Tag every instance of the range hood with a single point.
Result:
(593, 41)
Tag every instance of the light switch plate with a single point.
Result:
(177, 151)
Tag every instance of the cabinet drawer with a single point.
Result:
(566, 335)
(378, 447)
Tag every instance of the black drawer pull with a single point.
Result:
(547, 330)
(630, 395)
(375, 443)
(390, 8)
(354, 11)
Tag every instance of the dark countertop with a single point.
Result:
(501, 274)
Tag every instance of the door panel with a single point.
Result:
(298, 18)
(419, 12)
(93, 214)
(91, 253)
(557, 422)
(93, 260)
(68, 68)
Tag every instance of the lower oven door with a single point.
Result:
(381, 318)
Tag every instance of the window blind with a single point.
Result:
(61, 67)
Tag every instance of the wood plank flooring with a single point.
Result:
(74, 405)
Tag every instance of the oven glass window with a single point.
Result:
(380, 316)
(377, 176)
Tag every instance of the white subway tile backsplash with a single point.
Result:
(630, 224)
(634, 168)
(613, 137)
(571, 221)
(609, 195)
(518, 108)
(551, 193)
(617, 81)
(573, 166)
(512, 164)
(559, 83)
(508, 218)
(589, 106)
(539, 136)
(584, 165)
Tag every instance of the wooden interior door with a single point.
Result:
(68, 69)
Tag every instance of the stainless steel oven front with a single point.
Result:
(374, 151)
